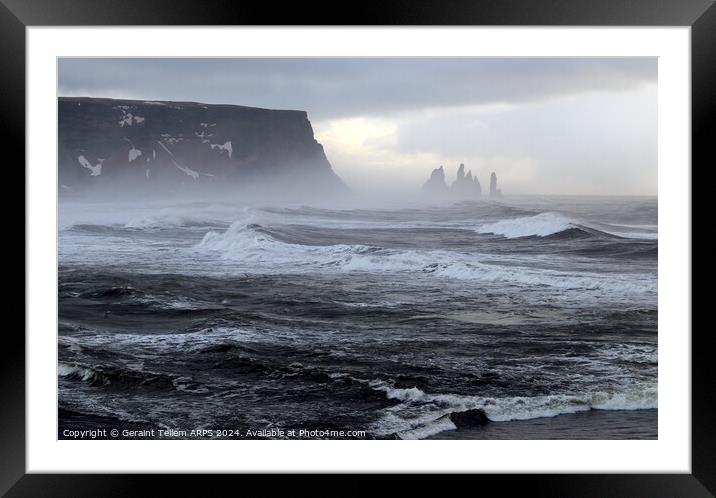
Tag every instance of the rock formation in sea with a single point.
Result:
(494, 191)
(465, 186)
(436, 186)
(108, 145)
(465, 420)
(470, 418)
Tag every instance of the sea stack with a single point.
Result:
(436, 185)
(494, 191)
(465, 186)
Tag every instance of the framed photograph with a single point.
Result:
(415, 239)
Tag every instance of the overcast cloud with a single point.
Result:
(544, 125)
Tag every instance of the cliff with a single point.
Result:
(107, 144)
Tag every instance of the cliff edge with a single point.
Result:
(114, 145)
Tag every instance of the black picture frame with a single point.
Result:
(700, 15)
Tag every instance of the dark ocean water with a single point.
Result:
(217, 316)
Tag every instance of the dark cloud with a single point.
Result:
(329, 88)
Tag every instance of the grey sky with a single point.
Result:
(583, 125)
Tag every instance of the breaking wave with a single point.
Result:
(388, 321)
(421, 414)
(258, 245)
(116, 376)
(550, 224)
(255, 243)
(430, 429)
(540, 225)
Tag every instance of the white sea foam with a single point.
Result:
(67, 370)
(162, 343)
(430, 429)
(541, 225)
(550, 223)
(419, 410)
(244, 241)
(252, 243)
(637, 353)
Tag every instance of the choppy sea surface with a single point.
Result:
(214, 315)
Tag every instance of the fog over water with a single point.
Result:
(216, 314)
(214, 273)
(546, 126)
